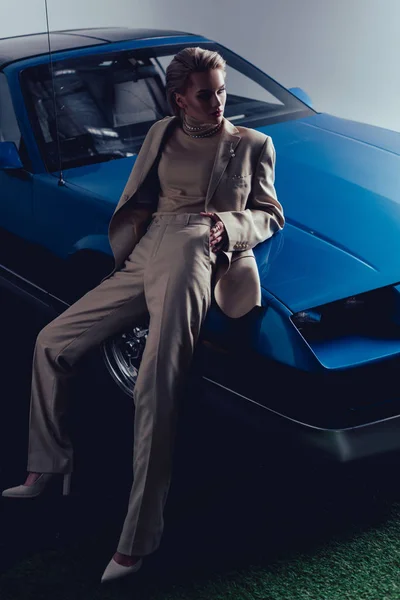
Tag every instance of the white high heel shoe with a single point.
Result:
(116, 571)
(37, 488)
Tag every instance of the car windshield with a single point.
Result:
(105, 104)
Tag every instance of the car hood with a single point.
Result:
(339, 184)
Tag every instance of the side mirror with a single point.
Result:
(9, 157)
(301, 95)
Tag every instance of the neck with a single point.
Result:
(194, 122)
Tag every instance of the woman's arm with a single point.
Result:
(263, 215)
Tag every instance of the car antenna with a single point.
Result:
(61, 180)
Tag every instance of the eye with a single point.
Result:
(206, 96)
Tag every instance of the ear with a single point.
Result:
(179, 100)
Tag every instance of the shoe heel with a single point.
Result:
(67, 484)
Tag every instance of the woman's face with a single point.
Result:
(204, 96)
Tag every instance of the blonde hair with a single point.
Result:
(186, 62)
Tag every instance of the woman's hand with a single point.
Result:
(218, 235)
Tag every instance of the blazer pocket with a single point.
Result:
(242, 254)
(239, 180)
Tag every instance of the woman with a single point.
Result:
(200, 196)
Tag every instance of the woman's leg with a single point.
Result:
(110, 307)
(178, 295)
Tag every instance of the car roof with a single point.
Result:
(25, 46)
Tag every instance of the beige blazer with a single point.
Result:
(241, 192)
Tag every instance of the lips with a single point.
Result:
(217, 113)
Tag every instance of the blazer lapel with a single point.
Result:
(145, 161)
(225, 151)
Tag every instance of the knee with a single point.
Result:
(51, 343)
(45, 338)
(48, 341)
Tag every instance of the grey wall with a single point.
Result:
(344, 53)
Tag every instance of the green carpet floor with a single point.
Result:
(366, 566)
(333, 544)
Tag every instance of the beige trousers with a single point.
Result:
(168, 275)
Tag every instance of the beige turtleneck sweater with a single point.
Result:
(184, 171)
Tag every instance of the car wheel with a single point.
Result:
(123, 353)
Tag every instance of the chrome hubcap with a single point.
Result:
(123, 354)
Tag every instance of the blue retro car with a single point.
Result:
(319, 359)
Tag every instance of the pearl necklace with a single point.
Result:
(212, 132)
